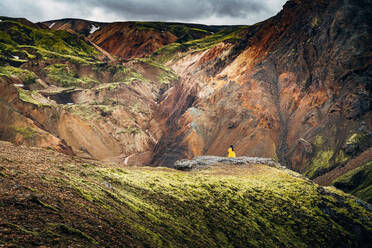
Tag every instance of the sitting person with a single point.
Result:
(231, 152)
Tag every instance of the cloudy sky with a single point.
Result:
(195, 11)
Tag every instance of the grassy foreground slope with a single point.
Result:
(51, 199)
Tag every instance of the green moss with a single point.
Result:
(315, 22)
(165, 75)
(15, 37)
(86, 165)
(357, 181)
(63, 228)
(325, 158)
(63, 75)
(21, 228)
(121, 74)
(47, 54)
(319, 140)
(354, 139)
(130, 130)
(110, 86)
(320, 163)
(27, 132)
(173, 50)
(30, 56)
(26, 76)
(168, 52)
(165, 208)
(139, 107)
(341, 157)
(43, 204)
(90, 111)
(184, 32)
(29, 97)
(364, 193)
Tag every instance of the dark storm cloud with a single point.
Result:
(202, 11)
(177, 10)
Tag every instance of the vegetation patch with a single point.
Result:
(354, 139)
(165, 75)
(36, 200)
(357, 182)
(90, 111)
(29, 96)
(325, 159)
(321, 163)
(63, 75)
(184, 32)
(140, 108)
(26, 132)
(123, 74)
(23, 229)
(21, 42)
(222, 206)
(62, 228)
(315, 22)
(26, 76)
(130, 130)
(173, 50)
(165, 208)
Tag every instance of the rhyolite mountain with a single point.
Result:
(97, 98)
(134, 39)
(295, 88)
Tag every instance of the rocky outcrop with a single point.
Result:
(204, 161)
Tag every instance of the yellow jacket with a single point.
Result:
(231, 153)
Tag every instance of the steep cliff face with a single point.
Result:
(296, 87)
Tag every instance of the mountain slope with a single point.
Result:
(295, 87)
(58, 91)
(76, 26)
(134, 39)
(50, 199)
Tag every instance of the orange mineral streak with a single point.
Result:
(125, 41)
(82, 136)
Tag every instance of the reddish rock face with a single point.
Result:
(125, 41)
(76, 26)
(295, 87)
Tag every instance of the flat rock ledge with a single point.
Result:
(202, 162)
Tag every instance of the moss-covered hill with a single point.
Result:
(59, 91)
(20, 43)
(49, 199)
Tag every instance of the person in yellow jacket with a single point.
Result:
(231, 152)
